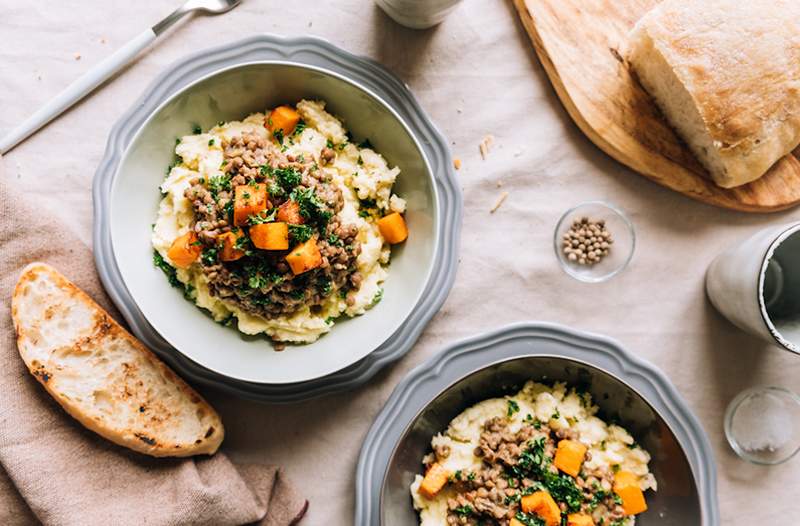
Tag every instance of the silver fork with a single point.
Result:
(105, 69)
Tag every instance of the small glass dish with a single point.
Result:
(762, 425)
(620, 252)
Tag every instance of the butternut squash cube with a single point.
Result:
(626, 485)
(228, 242)
(304, 257)
(569, 456)
(270, 236)
(435, 479)
(579, 519)
(514, 522)
(283, 118)
(184, 250)
(543, 505)
(248, 200)
(393, 228)
(289, 212)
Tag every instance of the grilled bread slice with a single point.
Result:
(103, 376)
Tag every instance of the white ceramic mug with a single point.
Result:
(756, 285)
(418, 14)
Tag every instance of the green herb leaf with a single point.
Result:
(513, 407)
(300, 233)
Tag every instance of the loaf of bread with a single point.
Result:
(103, 376)
(726, 74)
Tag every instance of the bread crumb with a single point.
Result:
(77, 56)
(485, 146)
(499, 184)
(103, 40)
(499, 202)
(457, 163)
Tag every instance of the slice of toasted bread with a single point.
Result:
(104, 377)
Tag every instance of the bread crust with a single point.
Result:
(740, 63)
(149, 432)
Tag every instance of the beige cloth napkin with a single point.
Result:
(59, 473)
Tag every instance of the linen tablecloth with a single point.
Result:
(476, 74)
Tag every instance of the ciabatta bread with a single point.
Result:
(726, 74)
(103, 376)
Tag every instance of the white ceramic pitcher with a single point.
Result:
(418, 14)
(756, 285)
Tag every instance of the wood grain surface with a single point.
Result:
(581, 44)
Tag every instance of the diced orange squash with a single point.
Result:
(304, 257)
(569, 456)
(515, 522)
(435, 479)
(270, 236)
(626, 485)
(184, 250)
(393, 228)
(579, 519)
(543, 505)
(289, 212)
(283, 118)
(248, 200)
(227, 242)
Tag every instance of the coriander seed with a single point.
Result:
(587, 241)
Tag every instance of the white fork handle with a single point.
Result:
(77, 90)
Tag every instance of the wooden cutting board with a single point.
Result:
(581, 45)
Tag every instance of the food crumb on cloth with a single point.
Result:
(485, 146)
(457, 163)
(499, 202)
(76, 56)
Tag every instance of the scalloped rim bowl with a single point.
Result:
(488, 365)
(227, 83)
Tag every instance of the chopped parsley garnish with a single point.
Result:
(366, 144)
(278, 134)
(311, 208)
(219, 183)
(262, 217)
(177, 141)
(196, 129)
(329, 143)
(529, 519)
(457, 475)
(167, 269)
(326, 286)
(334, 240)
(377, 298)
(287, 178)
(209, 256)
(471, 476)
(211, 142)
(360, 161)
(300, 233)
(513, 407)
(556, 415)
(465, 510)
(298, 129)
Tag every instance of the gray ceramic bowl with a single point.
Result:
(227, 83)
(626, 389)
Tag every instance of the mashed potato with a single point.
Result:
(361, 173)
(610, 446)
